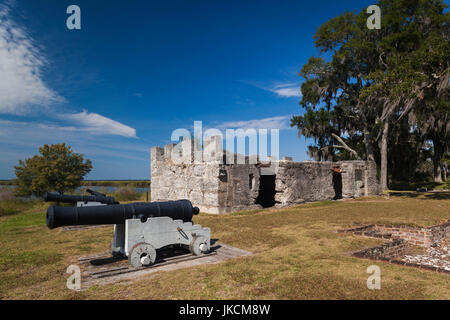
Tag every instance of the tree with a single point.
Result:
(336, 85)
(57, 168)
(414, 52)
(376, 78)
(433, 122)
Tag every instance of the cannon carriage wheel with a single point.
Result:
(142, 254)
(199, 245)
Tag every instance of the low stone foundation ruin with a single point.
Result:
(403, 244)
(215, 186)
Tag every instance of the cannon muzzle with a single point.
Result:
(118, 213)
(56, 197)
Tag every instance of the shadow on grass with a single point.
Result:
(423, 195)
(430, 185)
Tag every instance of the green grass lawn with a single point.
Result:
(297, 255)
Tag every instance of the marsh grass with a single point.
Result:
(10, 204)
(127, 193)
(296, 255)
(117, 183)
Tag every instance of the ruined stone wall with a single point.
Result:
(298, 182)
(359, 178)
(217, 187)
(211, 185)
(197, 182)
(238, 187)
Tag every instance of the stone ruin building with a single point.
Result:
(216, 186)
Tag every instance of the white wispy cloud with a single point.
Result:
(21, 136)
(23, 92)
(279, 122)
(287, 90)
(22, 89)
(283, 90)
(21, 63)
(98, 124)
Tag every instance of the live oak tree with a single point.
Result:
(414, 54)
(56, 168)
(334, 87)
(375, 79)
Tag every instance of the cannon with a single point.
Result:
(119, 213)
(95, 198)
(139, 228)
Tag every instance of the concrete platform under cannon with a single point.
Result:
(103, 269)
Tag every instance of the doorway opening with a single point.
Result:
(266, 195)
(337, 183)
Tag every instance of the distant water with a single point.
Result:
(110, 189)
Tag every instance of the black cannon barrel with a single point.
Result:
(56, 197)
(95, 193)
(118, 213)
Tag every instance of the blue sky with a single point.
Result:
(137, 70)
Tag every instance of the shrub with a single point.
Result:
(103, 190)
(57, 168)
(6, 194)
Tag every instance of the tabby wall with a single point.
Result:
(204, 178)
(298, 182)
